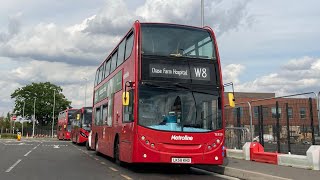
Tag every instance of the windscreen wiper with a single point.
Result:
(192, 125)
(150, 84)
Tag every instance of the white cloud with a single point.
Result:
(231, 73)
(298, 76)
(69, 77)
(88, 42)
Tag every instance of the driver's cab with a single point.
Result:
(174, 115)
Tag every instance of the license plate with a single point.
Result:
(181, 160)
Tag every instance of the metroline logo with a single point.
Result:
(183, 138)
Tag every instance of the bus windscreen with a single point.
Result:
(179, 110)
(178, 41)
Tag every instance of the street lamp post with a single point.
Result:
(34, 115)
(85, 92)
(202, 13)
(54, 104)
(24, 104)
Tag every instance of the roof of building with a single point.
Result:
(253, 95)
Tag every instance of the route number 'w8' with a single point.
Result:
(200, 72)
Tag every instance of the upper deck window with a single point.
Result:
(179, 41)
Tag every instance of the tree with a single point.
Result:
(42, 95)
(5, 123)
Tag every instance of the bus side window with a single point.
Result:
(105, 114)
(129, 46)
(107, 68)
(121, 52)
(97, 116)
(96, 78)
(103, 71)
(114, 61)
(128, 110)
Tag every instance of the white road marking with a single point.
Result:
(56, 146)
(28, 153)
(103, 163)
(20, 144)
(113, 169)
(260, 174)
(31, 150)
(96, 159)
(16, 163)
(127, 177)
(216, 174)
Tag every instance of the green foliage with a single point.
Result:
(42, 95)
(5, 122)
(8, 136)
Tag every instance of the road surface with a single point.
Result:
(58, 160)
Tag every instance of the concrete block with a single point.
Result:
(246, 150)
(235, 153)
(294, 161)
(313, 156)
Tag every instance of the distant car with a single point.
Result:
(266, 138)
(88, 143)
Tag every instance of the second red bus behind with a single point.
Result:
(81, 125)
(64, 124)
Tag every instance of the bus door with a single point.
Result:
(127, 132)
(117, 118)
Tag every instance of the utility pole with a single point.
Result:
(202, 13)
(54, 104)
(34, 116)
(24, 104)
(85, 93)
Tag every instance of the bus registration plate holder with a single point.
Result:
(181, 160)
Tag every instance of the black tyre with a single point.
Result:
(97, 146)
(87, 146)
(116, 152)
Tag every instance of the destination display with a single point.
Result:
(193, 72)
(179, 71)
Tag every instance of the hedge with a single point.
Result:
(8, 136)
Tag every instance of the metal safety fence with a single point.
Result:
(236, 137)
(281, 124)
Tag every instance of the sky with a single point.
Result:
(264, 46)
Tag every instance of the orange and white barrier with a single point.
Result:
(255, 152)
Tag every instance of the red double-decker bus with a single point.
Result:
(81, 125)
(64, 124)
(158, 97)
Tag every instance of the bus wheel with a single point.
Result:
(87, 146)
(116, 152)
(97, 146)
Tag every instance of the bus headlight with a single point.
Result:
(214, 145)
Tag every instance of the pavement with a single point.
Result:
(50, 159)
(255, 170)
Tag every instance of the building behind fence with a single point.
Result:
(280, 124)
